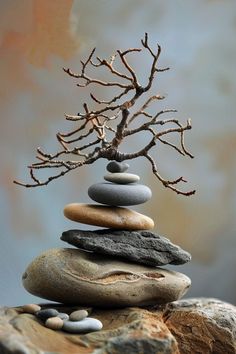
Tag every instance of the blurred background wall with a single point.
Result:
(38, 38)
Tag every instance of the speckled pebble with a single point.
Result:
(63, 316)
(86, 325)
(47, 313)
(31, 308)
(119, 194)
(54, 323)
(115, 166)
(78, 315)
(121, 178)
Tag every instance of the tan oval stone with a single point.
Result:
(78, 315)
(105, 216)
(72, 276)
(31, 308)
(54, 323)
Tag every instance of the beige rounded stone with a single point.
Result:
(105, 216)
(78, 315)
(55, 323)
(31, 308)
(72, 276)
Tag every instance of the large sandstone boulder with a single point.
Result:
(193, 326)
(72, 276)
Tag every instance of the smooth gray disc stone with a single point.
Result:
(119, 194)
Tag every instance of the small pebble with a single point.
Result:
(47, 313)
(78, 315)
(115, 166)
(121, 178)
(54, 323)
(86, 325)
(63, 316)
(31, 308)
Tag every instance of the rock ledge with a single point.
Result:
(199, 325)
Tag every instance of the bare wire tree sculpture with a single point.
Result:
(97, 123)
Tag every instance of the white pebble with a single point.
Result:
(86, 325)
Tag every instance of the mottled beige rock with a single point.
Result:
(206, 326)
(72, 276)
(125, 331)
(55, 323)
(190, 326)
(31, 308)
(106, 216)
(78, 315)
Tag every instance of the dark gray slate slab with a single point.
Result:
(138, 246)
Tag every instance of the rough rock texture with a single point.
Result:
(73, 276)
(106, 216)
(202, 325)
(143, 247)
(194, 326)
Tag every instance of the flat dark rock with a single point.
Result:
(138, 246)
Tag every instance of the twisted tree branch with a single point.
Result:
(98, 122)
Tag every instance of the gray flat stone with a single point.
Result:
(115, 166)
(119, 194)
(121, 178)
(86, 325)
(138, 246)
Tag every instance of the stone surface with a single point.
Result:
(119, 194)
(46, 313)
(73, 276)
(138, 246)
(55, 323)
(104, 216)
(203, 326)
(78, 315)
(121, 178)
(63, 316)
(85, 325)
(115, 166)
(31, 308)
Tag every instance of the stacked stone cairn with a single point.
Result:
(117, 266)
